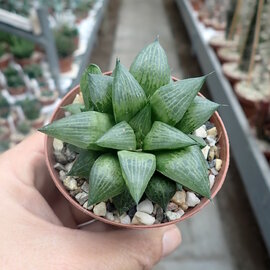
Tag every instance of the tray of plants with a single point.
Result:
(137, 148)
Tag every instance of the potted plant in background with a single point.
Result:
(47, 97)
(33, 71)
(140, 153)
(82, 9)
(70, 32)
(4, 110)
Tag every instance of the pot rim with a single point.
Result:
(204, 201)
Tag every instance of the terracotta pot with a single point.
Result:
(220, 178)
(229, 57)
(229, 72)
(17, 91)
(4, 60)
(219, 41)
(65, 64)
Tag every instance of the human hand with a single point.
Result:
(38, 228)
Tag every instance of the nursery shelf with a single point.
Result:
(250, 161)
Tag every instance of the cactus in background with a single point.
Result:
(31, 108)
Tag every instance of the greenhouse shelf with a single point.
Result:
(252, 165)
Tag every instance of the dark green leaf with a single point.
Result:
(123, 202)
(163, 136)
(127, 95)
(106, 180)
(198, 140)
(73, 108)
(187, 167)
(179, 187)
(137, 169)
(170, 102)
(160, 190)
(121, 137)
(82, 129)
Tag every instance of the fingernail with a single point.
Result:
(171, 240)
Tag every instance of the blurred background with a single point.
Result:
(46, 45)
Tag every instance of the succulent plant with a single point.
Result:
(69, 31)
(33, 71)
(64, 44)
(24, 127)
(13, 78)
(4, 107)
(31, 108)
(21, 48)
(133, 133)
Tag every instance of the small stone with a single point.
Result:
(145, 206)
(109, 216)
(156, 206)
(81, 197)
(209, 125)
(58, 145)
(125, 219)
(60, 157)
(143, 218)
(59, 167)
(116, 219)
(211, 180)
(179, 197)
(218, 164)
(172, 206)
(205, 151)
(85, 187)
(159, 214)
(69, 166)
(214, 171)
(216, 152)
(184, 206)
(70, 155)
(73, 193)
(90, 207)
(192, 199)
(132, 211)
(212, 164)
(211, 141)
(200, 132)
(174, 215)
(212, 132)
(70, 183)
(62, 175)
(100, 209)
(211, 154)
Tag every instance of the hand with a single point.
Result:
(38, 228)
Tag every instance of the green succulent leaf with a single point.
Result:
(170, 102)
(137, 169)
(106, 180)
(150, 68)
(84, 85)
(141, 124)
(163, 136)
(127, 95)
(160, 190)
(121, 137)
(100, 88)
(124, 201)
(187, 167)
(200, 110)
(83, 164)
(74, 108)
(198, 140)
(82, 129)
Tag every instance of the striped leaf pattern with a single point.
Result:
(170, 102)
(81, 130)
(187, 167)
(200, 110)
(105, 180)
(163, 136)
(150, 68)
(121, 137)
(74, 108)
(137, 169)
(127, 95)
(200, 141)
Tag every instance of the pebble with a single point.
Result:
(81, 197)
(179, 197)
(85, 187)
(209, 125)
(59, 167)
(90, 207)
(145, 206)
(62, 175)
(172, 206)
(70, 183)
(205, 151)
(200, 132)
(69, 166)
(100, 209)
(143, 218)
(192, 199)
(58, 145)
(159, 214)
(214, 171)
(184, 206)
(116, 219)
(218, 164)
(211, 180)
(212, 164)
(211, 154)
(60, 157)
(125, 219)
(174, 215)
(212, 132)
(109, 216)
(70, 155)
(210, 141)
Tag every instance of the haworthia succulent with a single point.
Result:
(74, 108)
(170, 102)
(160, 190)
(121, 137)
(124, 201)
(106, 180)
(81, 130)
(100, 88)
(163, 136)
(137, 169)
(187, 167)
(127, 95)
(84, 87)
(200, 141)
(197, 114)
(83, 164)
(141, 124)
(150, 68)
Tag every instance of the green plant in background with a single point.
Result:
(13, 78)
(69, 31)
(2, 49)
(21, 48)
(31, 108)
(10, 71)
(5, 37)
(23, 127)
(64, 44)
(33, 71)
(131, 132)
(47, 93)
(4, 107)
